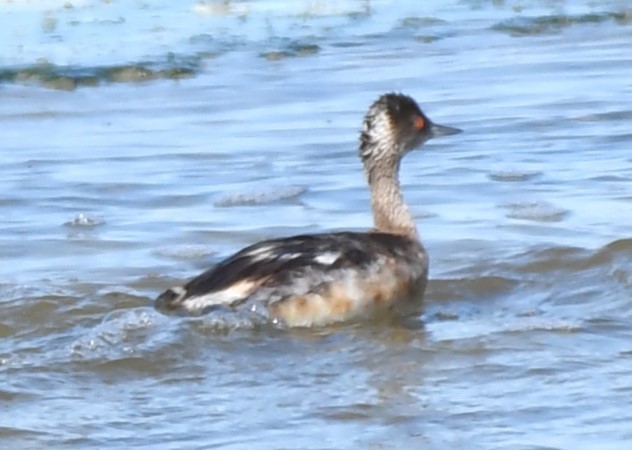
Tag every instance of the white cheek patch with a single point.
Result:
(327, 259)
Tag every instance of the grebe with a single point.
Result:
(324, 278)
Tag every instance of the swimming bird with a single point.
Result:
(319, 279)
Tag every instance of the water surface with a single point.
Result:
(142, 142)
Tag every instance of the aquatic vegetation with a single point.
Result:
(533, 26)
(71, 77)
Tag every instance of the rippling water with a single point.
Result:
(143, 141)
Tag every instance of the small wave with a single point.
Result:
(608, 116)
(503, 324)
(618, 256)
(571, 259)
(120, 334)
(512, 176)
(83, 221)
(535, 211)
(619, 246)
(184, 252)
(260, 198)
(415, 23)
(470, 288)
(522, 325)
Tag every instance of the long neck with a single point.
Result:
(390, 212)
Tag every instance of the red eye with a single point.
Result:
(419, 123)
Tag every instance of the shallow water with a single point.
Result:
(141, 142)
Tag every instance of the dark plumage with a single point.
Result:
(323, 278)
